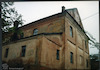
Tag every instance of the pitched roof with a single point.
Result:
(73, 12)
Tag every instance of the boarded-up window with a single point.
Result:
(35, 31)
(57, 55)
(71, 31)
(6, 53)
(23, 51)
(71, 57)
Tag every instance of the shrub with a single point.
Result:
(28, 64)
(17, 62)
(4, 62)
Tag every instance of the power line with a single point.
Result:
(90, 16)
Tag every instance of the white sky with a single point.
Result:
(35, 10)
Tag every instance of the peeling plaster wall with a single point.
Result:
(75, 44)
(16, 48)
(55, 25)
(41, 50)
(49, 53)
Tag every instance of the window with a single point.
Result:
(57, 55)
(86, 63)
(81, 60)
(35, 31)
(6, 53)
(85, 44)
(71, 31)
(21, 35)
(71, 57)
(23, 51)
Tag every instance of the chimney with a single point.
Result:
(63, 8)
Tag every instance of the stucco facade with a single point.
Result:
(53, 46)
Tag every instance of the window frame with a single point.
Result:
(85, 44)
(87, 63)
(57, 54)
(71, 57)
(22, 35)
(81, 60)
(6, 52)
(35, 31)
(71, 31)
(23, 51)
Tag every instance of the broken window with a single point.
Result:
(6, 53)
(57, 55)
(35, 31)
(23, 51)
(71, 57)
(71, 31)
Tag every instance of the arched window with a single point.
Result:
(35, 31)
(71, 31)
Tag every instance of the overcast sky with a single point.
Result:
(88, 11)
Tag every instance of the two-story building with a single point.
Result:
(58, 41)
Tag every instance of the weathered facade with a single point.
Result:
(57, 41)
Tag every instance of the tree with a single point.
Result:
(93, 41)
(8, 16)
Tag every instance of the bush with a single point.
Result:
(28, 64)
(16, 63)
(4, 62)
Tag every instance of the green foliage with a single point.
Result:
(16, 63)
(9, 15)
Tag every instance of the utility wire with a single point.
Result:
(90, 16)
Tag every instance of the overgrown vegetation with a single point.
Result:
(15, 63)
(9, 16)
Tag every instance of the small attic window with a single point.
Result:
(35, 31)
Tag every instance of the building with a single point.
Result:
(58, 41)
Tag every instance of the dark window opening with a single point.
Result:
(35, 31)
(21, 35)
(81, 60)
(71, 57)
(86, 63)
(71, 31)
(57, 55)
(23, 51)
(6, 53)
(85, 44)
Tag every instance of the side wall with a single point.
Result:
(54, 25)
(49, 52)
(76, 45)
(39, 50)
(15, 50)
